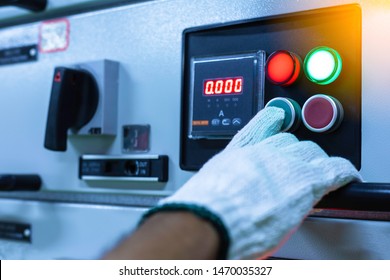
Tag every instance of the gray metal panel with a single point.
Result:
(10, 11)
(338, 239)
(147, 41)
(66, 231)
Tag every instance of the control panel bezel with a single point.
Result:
(219, 114)
(336, 27)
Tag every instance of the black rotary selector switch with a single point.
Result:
(73, 102)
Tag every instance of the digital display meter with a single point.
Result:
(226, 92)
(223, 86)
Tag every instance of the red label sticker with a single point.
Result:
(54, 35)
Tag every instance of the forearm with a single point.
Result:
(173, 235)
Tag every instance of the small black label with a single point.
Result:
(15, 231)
(18, 55)
(124, 168)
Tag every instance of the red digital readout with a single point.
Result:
(223, 86)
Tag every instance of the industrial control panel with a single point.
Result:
(308, 64)
(106, 109)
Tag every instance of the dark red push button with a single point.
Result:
(322, 113)
(283, 68)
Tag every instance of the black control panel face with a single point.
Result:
(226, 91)
(312, 70)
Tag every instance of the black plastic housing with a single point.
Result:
(32, 5)
(337, 27)
(73, 102)
(20, 182)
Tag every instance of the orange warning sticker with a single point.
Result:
(200, 123)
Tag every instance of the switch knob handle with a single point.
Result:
(32, 5)
(73, 102)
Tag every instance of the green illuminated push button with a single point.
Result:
(292, 111)
(323, 65)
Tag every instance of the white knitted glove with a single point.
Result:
(263, 184)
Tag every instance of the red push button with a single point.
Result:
(322, 113)
(283, 68)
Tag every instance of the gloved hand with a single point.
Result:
(261, 186)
